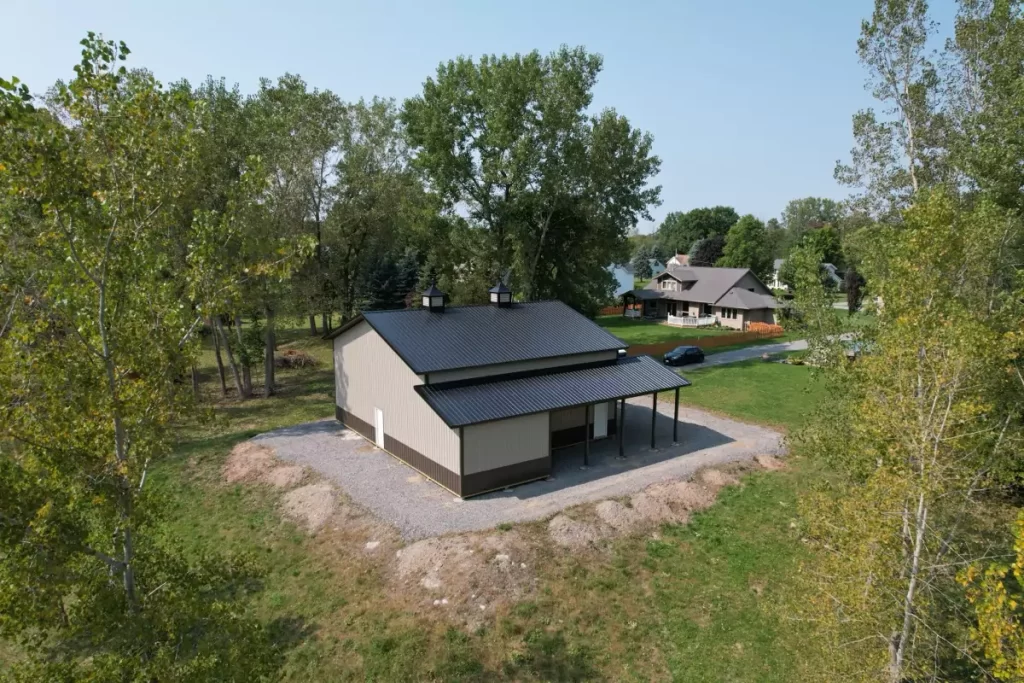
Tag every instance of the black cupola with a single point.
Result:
(433, 299)
(501, 295)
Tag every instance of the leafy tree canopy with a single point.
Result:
(101, 314)
(680, 230)
(747, 246)
(552, 189)
(805, 215)
(707, 251)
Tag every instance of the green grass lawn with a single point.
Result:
(700, 602)
(633, 331)
(768, 393)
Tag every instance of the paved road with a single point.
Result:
(750, 352)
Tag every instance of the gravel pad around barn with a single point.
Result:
(419, 508)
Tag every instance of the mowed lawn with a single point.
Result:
(635, 331)
(700, 602)
(770, 393)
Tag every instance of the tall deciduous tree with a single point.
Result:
(929, 420)
(901, 150)
(381, 205)
(986, 83)
(747, 246)
(508, 139)
(805, 215)
(678, 232)
(95, 344)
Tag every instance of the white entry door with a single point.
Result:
(600, 420)
(378, 427)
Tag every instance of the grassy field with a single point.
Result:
(769, 393)
(700, 602)
(635, 331)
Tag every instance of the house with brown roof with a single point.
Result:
(734, 296)
(479, 398)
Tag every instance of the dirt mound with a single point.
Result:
(571, 533)
(468, 573)
(285, 476)
(717, 479)
(616, 515)
(770, 462)
(310, 505)
(682, 496)
(247, 461)
(654, 509)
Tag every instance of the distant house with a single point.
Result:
(657, 267)
(832, 275)
(733, 295)
(623, 274)
(679, 260)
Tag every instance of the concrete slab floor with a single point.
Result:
(418, 508)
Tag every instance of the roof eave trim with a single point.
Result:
(345, 327)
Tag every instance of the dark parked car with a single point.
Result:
(684, 355)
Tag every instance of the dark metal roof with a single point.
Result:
(471, 336)
(498, 400)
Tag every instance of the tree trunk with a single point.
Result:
(246, 369)
(268, 357)
(898, 643)
(195, 381)
(531, 284)
(312, 325)
(325, 320)
(242, 393)
(220, 360)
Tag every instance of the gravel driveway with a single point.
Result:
(418, 508)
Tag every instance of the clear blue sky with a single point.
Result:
(749, 101)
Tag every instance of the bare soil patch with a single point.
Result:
(576, 534)
(247, 461)
(310, 505)
(285, 476)
(717, 479)
(468, 574)
(770, 462)
(624, 519)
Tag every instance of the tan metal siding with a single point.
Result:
(522, 366)
(369, 374)
(502, 443)
(564, 419)
(575, 417)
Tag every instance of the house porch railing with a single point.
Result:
(691, 321)
(632, 313)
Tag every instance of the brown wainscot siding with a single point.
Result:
(441, 475)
